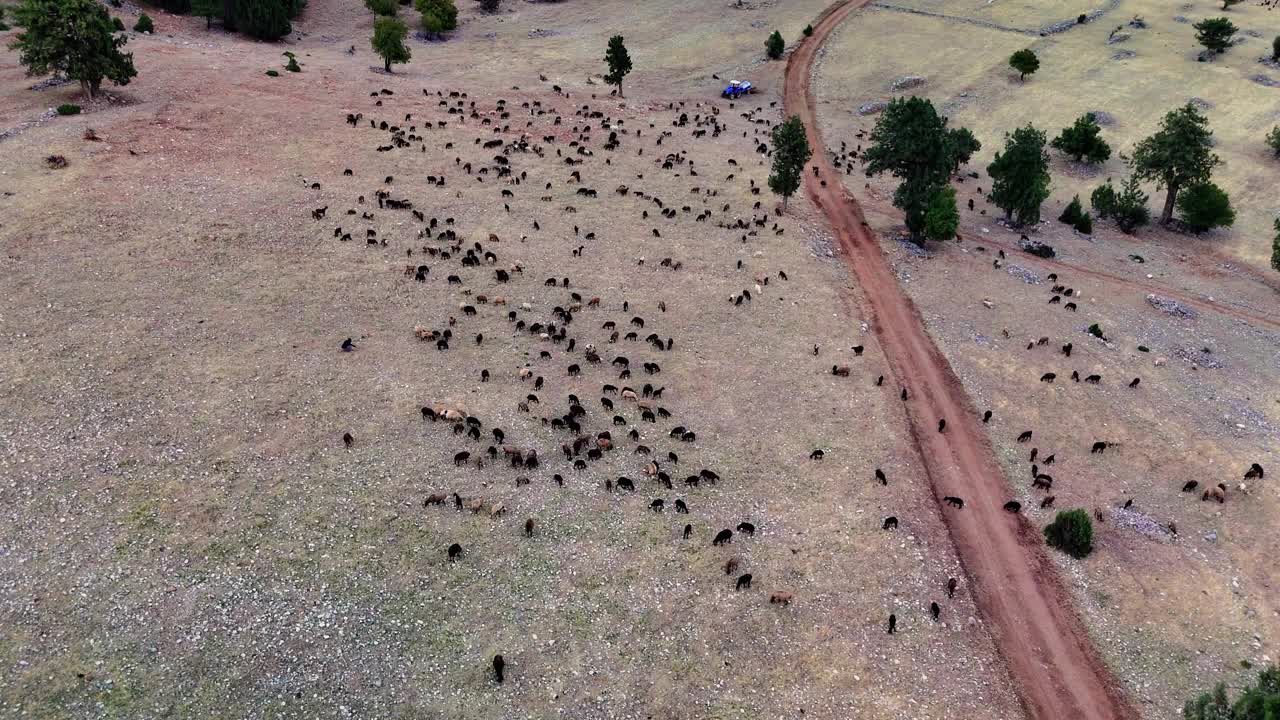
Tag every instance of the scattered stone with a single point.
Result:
(1037, 248)
(1172, 307)
(871, 108)
(1211, 536)
(1265, 80)
(1124, 55)
(1200, 103)
(1103, 118)
(1181, 19)
(1024, 274)
(1117, 38)
(1201, 357)
(907, 82)
(1138, 23)
(54, 81)
(1140, 522)
(540, 33)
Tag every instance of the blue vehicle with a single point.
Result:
(737, 89)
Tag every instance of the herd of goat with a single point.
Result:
(624, 405)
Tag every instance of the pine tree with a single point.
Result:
(1215, 34)
(1020, 176)
(207, 9)
(790, 153)
(619, 62)
(775, 45)
(912, 143)
(1206, 206)
(1177, 156)
(1082, 142)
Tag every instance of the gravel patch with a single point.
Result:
(1171, 307)
(872, 108)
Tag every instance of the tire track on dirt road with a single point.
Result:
(1055, 668)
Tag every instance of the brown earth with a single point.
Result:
(1038, 631)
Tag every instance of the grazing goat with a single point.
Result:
(954, 502)
(722, 537)
(454, 551)
(781, 598)
(1013, 506)
(499, 665)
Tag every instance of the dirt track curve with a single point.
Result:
(1045, 646)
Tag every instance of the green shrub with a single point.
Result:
(1084, 223)
(1128, 207)
(1215, 33)
(1071, 215)
(941, 218)
(1260, 701)
(808, 30)
(144, 24)
(1273, 139)
(1082, 142)
(1096, 331)
(117, 23)
(775, 45)
(488, 6)
(273, 73)
(381, 7)
(293, 65)
(1275, 248)
(68, 109)
(438, 16)
(1205, 206)
(1275, 49)
(1071, 532)
(3, 25)
(262, 19)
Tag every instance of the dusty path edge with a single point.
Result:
(1056, 671)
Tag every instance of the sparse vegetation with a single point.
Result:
(1273, 140)
(68, 109)
(1177, 156)
(1083, 141)
(790, 153)
(1020, 176)
(144, 24)
(1025, 62)
(1205, 206)
(941, 218)
(1257, 701)
(385, 8)
(1071, 532)
(74, 38)
(1215, 34)
(388, 41)
(438, 16)
(911, 142)
(775, 45)
(619, 62)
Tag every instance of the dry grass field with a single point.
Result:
(1169, 611)
(185, 533)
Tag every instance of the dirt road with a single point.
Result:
(1041, 637)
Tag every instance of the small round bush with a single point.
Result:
(117, 23)
(272, 73)
(1084, 224)
(144, 24)
(1082, 19)
(293, 65)
(808, 30)
(1071, 532)
(68, 109)
(1096, 331)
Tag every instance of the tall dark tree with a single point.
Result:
(1020, 176)
(1082, 141)
(1177, 156)
(790, 153)
(619, 62)
(1025, 62)
(72, 37)
(1215, 33)
(262, 19)
(912, 143)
